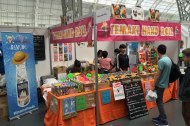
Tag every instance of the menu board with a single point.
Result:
(134, 97)
(39, 47)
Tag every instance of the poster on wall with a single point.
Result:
(70, 48)
(119, 11)
(65, 48)
(70, 57)
(154, 15)
(60, 52)
(55, 52)
(70, 52)
(81, 44)
(66, 57)
(69, 16)
(137, 13)
(18, 53)
(90, 43)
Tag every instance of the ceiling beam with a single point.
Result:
(156, 3)
(36, 12)
(139, 2)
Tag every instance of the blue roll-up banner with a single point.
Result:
(18, 53)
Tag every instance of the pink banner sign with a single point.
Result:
(80, 31)
(130, 30)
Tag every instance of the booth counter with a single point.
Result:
(118, 109)
(55, 117)
(108, 112)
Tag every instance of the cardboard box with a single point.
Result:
(59, 69)
(3, 108)
(59, 72)
(88, 87)
(102, 85)
(61, 76)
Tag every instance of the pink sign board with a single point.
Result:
(130, 30)
(80, 31)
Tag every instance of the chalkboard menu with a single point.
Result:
(39, 47)
(134, 97)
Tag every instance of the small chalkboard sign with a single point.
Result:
(134, 97)
(39, 47)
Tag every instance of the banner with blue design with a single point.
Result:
(18, 53)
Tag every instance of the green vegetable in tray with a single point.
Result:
(181, 55)
(88, 76)
(70, 75)
(140, 68)
(155, 55)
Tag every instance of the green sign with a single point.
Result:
(81, 102)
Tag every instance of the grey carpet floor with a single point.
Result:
(173, 109)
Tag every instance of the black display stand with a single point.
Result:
(39, 47)
(134, 97)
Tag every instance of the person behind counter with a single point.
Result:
(114, 66)
(122, 59)
(184, 89)
(105, 63)
(75, 68)
(99, 54)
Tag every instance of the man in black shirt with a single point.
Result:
(122, 59)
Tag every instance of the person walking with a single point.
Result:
(184, 89)
(161, 82)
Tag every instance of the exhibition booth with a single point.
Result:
(89, 97)
(112, 105)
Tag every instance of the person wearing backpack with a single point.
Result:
(161, 82)
(184, 89)
(122, 59)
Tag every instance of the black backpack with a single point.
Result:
(174, 73)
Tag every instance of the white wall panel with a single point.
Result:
(172, 49)
(86, 53)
